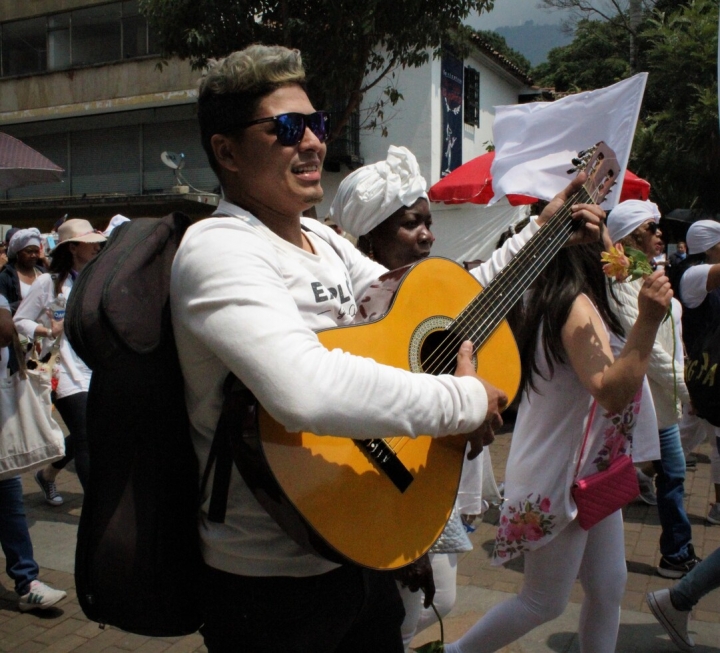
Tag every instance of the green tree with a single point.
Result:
(500, 45)
(677, 145)
(348, 46)
(598, 56)
(677, 142)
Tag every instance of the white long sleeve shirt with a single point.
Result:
(246, 301)
(73, 375)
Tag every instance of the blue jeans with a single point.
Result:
(704, 578)
(676, 536)
(15, 537)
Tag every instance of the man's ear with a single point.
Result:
(225, 150)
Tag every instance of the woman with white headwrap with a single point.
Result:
(24, 250)
(385, 205)
(634, 223)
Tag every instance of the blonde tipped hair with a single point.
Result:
(251, 69)
(231, 89)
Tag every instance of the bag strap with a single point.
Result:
(591, 417)
(221, 455)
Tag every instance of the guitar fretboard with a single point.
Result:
(482, 316)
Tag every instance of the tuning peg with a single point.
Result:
(576, 161)
(569, 172)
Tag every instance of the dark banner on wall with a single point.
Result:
(451, 90)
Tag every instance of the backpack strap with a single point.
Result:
(236, 396)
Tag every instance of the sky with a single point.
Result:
(515, 12)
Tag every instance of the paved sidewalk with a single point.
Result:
(65, 629)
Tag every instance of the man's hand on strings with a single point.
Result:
(591, 216)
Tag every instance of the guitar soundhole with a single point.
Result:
(438, 353)
(433, 347)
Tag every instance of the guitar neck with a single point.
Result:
(483, 315)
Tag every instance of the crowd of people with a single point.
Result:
(35, 283)
(251, 286)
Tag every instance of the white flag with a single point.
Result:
(536, 142)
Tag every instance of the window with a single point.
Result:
(134, 31)
(472, 97)
(58, 42)
(96, 34)
(83, 37)
(24, 47)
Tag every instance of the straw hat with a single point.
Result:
(78, 231)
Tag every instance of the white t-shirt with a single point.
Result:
(693, 285)
(72, 373)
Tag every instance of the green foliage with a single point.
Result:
(598, 56)
(348, 46)
(499, 44)
(677, 143)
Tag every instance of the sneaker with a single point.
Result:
(49, 489)
(40, 596)
(714, 515)
(647, 489)
(674, 621)
(668, 569)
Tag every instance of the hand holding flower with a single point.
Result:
(621, 265)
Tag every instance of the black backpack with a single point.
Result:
(138, 556)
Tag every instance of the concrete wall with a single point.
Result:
(108, 87)
(16, 9)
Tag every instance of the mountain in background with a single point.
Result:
(534, 41)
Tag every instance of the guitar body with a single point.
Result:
(338, 487)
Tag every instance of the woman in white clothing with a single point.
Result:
(385, 206)
(78, 244)
(568, 362)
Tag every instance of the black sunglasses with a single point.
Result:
(653, 227)
(290, 127)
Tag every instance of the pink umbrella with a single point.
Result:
(472, 182)
(20, 165)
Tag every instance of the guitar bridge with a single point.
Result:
(386, 459)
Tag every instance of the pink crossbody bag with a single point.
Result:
(602, 493)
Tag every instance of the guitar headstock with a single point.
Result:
(602, 168)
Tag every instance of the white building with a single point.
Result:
(463, 232)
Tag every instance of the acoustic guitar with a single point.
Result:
(382, 503)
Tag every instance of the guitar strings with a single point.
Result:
(487, 309)
(538, 242)
(557, 231)
(542, 247)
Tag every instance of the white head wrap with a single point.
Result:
(115, 221)
(371, 194)
(628, 216)
(702, 235)
(22, 239)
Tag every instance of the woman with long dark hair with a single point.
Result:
(574, 390)
(78, 244)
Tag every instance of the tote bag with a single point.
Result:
(29, 436)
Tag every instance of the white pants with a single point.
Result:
(597, 556)
(418, 618)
